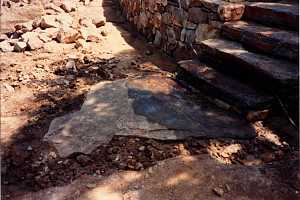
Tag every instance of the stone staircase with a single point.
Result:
(255, 61)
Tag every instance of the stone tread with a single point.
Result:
(283, 13)
(265, 39)
(224, 87)
(261, 69)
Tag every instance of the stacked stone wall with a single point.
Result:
(177, 26)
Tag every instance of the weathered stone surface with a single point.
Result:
(153, 107)
(5, 46)
(20, 46)
(282, 14)
(231, 12)
(223, 87)
(268, 72)
(204, 32)
(268, 40)
(67, 35)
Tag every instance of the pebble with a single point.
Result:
(218, 191)
(29, 148)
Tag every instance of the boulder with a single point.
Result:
(49, 21)
(20, 46)
(5, 46)
(35, 43)
(67, 35)
(231, 12)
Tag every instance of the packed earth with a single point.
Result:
(92, 110)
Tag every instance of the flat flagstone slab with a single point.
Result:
(153, 107)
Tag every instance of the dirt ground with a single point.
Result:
(36, 87)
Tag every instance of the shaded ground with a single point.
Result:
(36, 88)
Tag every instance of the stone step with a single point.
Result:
(223, 87)
(260, 70)
(281, 14)
(274, 41)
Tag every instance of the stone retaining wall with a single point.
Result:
(178, 26)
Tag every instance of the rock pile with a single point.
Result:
(57, 26)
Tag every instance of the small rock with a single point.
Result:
(8, 87)
(104, 33)
(83, 159)
(142, 148)
(71, 65)
(99, 22)
(20, 46)
(51, 6)
(148, 53)
(86, 2)
(67, 35)
(90, 34)
(49, 21)
(218, 191)
(86, 22)
(80, 43)
(29, 148)
(3, 37)
(68, 6)
(5, 46)
(91, 185)
(36, 22)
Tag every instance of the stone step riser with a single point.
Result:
(222, 87)
(270, 44)
(262, 72)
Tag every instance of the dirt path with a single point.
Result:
(37, 87)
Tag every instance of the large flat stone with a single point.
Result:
(152, 107)
(274, 41)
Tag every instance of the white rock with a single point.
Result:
(20, 46)
(49, 21)
(67, 35)
(5, 46)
